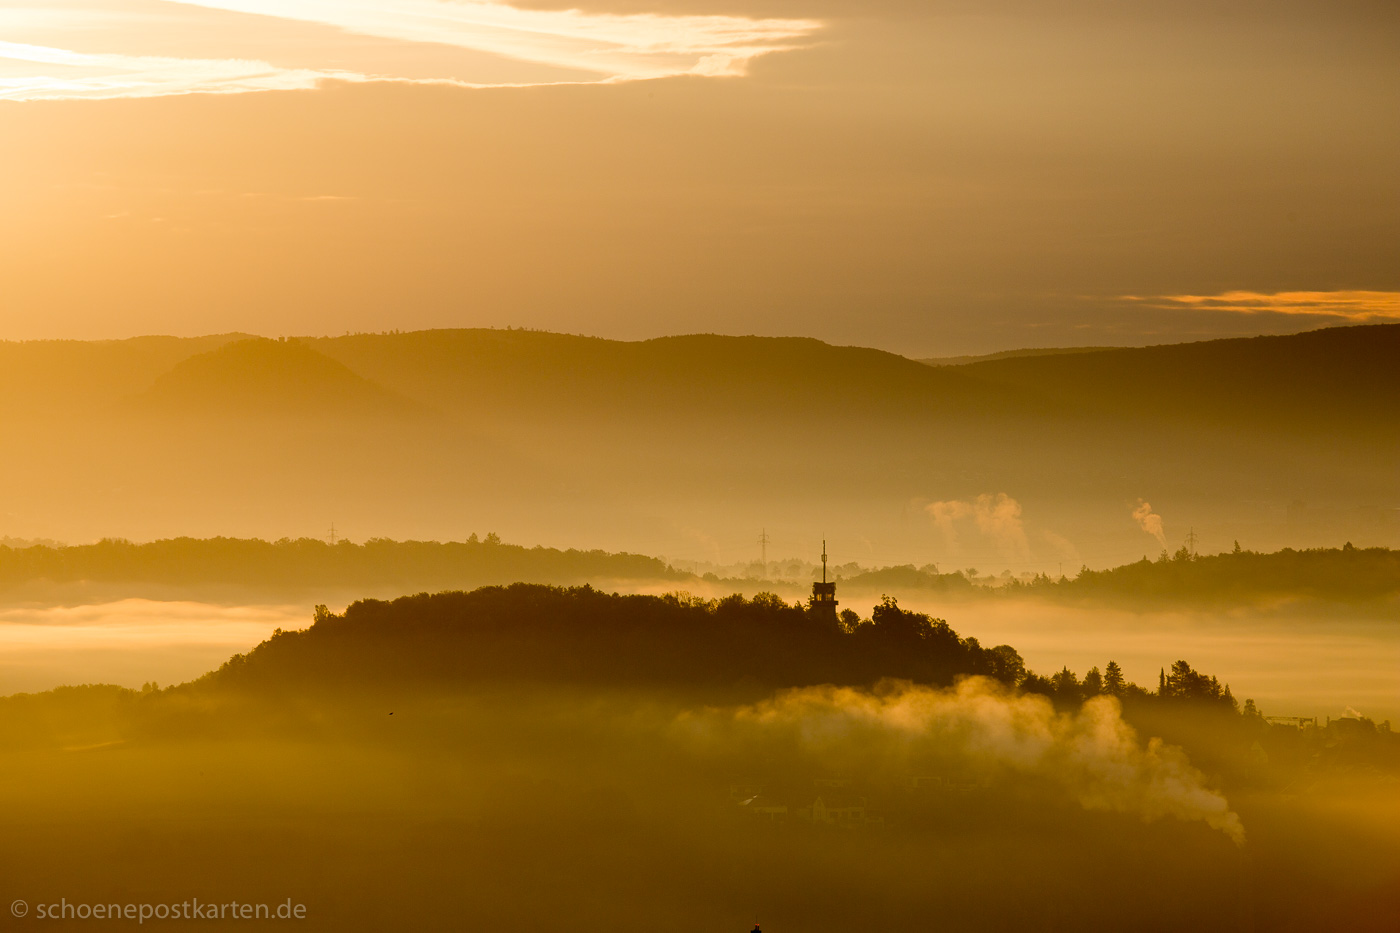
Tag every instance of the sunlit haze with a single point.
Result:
(931, 179)
(784, 466)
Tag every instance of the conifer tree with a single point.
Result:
(1113, 679)
(1093, 683)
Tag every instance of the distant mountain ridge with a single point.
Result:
(1320, 378)
(696, 375)
(671, 445)
(1342, 372)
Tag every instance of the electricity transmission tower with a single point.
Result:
(763, 540)
(1191, 540)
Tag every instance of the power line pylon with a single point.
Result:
(763, 540)
(1191, 540)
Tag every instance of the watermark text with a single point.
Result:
(193, 909)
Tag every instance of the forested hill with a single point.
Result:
(1341, 575)
(309, 565)
(582, 636)
(1345, 575)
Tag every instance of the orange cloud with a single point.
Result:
(1357, 306)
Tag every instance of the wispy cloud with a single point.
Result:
(269, 49)
(615, 47)
(1356, 306)
(59, 73)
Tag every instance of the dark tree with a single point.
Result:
(1093, 683)
(1066, 689)
(1113, 683)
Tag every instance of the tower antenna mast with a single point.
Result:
(823, 603)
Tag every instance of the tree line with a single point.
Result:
(1345, 574)
(312, 563)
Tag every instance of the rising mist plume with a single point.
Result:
(998, 518)
(978, 728)
(1150, 521)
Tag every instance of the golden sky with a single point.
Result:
(932, 177)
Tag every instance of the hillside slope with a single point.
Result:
(1339, 378)
(43, 377)
(260, 377)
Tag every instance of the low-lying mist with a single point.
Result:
(984, 733)
(129, 641)
(539, 808)
(541, 758)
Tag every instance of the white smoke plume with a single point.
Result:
(946, 515)
(997, 517)
(1093, 754)
(1150, 521)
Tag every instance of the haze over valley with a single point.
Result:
(688, 447)
(700, 465)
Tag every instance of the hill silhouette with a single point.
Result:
(1338, 375)
(1341, 373)
(1343, 575)
(545, 376)
(1331, 379)
(252, 566)
(667, 445)
(264, 377)
(583, 636)
(215, 568)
